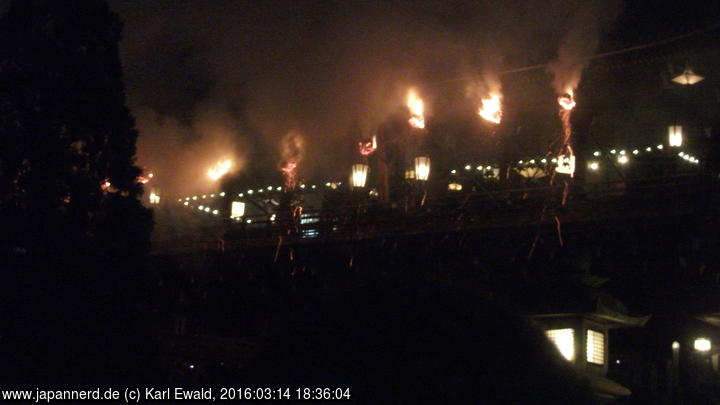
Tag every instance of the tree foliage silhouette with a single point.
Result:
(73, 248)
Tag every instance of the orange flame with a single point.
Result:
(367, 148)
(417, 110)
(219, 169)
(289, 170)
(491, 109)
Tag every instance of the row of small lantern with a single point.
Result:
(331, 185)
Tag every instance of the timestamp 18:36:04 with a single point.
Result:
(302, 393)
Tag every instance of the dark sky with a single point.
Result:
(215, 78)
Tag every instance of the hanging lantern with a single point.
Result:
(409, 174)
(531, 172)
(675, 137)
(565, 164)
(359, 175)
(687, 77)
(422, 168)
(237, 209)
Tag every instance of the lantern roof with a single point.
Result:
(583, 298)
(688, 77)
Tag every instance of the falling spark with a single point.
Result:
(491, 109)
(219, 169)
(417, 108)
(277, 249)
(559, 231)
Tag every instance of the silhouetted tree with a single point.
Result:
(73, 228)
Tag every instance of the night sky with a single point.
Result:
(215, 78)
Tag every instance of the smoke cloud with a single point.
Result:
(589, 20)
(229, 79)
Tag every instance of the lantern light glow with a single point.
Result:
(422, 168)
(702, 344)
(675, 136)
(564, 340)
(359, 175)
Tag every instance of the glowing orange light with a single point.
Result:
(219, 169)
(417, 110)
(289, 170)
(367, 148)
(491, 109)
(105, 185)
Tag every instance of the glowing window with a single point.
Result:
(595, 347)
(564, 339)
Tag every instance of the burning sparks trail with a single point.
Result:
(567, 103)
(220, 169)
(289, 171)
(417, 110)
(491, 109)
(367, 148)
(293, 149)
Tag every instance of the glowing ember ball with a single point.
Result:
(567, 100)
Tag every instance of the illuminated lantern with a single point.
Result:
(531, 172)
(455, 187)
(675, 137)
(564, 340)
(409, 174)
(422, 168)
(359, 175)
(702, 344)
(237, 209)
(687, 77)
(565, 164)
(154, 197)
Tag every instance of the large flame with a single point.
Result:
(491, 109)
(417, 110)
(219, 169)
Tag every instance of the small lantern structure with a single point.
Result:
(531, 172)
(154, 197)
(580, 333)
(422, 168)
(237, 209)
(675, 136)
(687, 77)
(359, 175)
